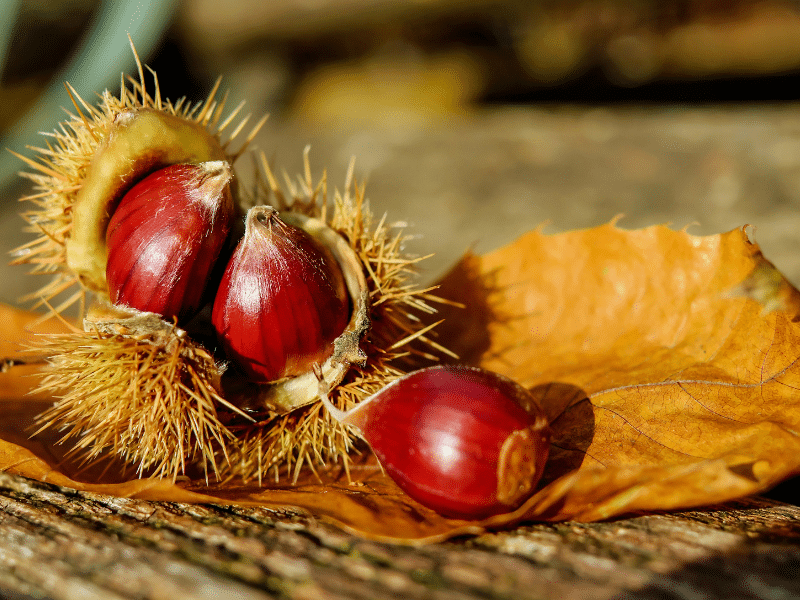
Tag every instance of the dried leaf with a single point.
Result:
(19, 329)
(667, 363)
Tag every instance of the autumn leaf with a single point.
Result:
(666, 362)
(668, 380)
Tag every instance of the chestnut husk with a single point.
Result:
(102, 153)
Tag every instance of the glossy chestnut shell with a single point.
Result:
(282, 301)
(466, 442)
(165, 237)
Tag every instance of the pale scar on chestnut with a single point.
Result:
(517, 467)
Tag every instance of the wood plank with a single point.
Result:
(59, 543)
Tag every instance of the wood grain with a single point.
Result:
(61, 544)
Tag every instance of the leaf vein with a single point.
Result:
(643, 434)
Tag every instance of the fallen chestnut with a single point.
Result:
(465, 442)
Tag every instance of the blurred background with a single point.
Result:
(473, 121)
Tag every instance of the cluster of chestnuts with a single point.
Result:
(280, 300)
(282, 309)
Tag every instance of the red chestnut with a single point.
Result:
(282, 301)
(465, 442)
(165, 236)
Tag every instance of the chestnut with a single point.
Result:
(165, 236)
(282, 301)
(465, 442)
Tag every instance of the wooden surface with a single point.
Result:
(57, 543)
